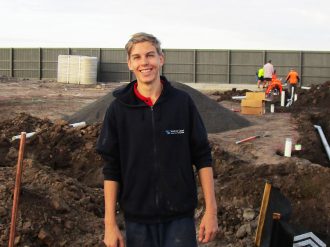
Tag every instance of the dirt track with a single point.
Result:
(61, 203)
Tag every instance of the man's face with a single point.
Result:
(145, 62)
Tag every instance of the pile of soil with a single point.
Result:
(239, 184)
(312, 108)
(318, 96)
(56, 145)
(54, 209)
(215, 117)
(61, 201)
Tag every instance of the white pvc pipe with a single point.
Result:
(28, 135)
(290, 101)
(283, 98)
(323, 139)
(292, 94)
(272, 108)
(288, 147)
(238, 97)
(80, 124)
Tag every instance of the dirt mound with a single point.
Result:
(56, 145)
(312, 108)
(216, 118)
(305, 185)
(317, 96)
(54, 210)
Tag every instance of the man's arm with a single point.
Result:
(209, 224)
(288, 77)
(112, 235)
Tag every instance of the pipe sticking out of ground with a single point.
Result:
(323, 139)
(248, 139)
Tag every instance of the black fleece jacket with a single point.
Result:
(150, 152)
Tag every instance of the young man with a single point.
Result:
(152, 136)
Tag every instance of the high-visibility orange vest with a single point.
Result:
(293, 77)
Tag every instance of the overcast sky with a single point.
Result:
(199, 24)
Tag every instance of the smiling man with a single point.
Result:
(151, 138)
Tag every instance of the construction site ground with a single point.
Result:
(61, 201)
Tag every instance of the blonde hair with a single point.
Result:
(142, 37)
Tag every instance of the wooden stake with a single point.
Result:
(17, 189)
(263, 211)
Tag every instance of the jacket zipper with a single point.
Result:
(155, 154)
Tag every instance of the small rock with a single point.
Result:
(59, 204)
(17, 240)
(3, 211)
(3, 188)
(61, 122)
(68, 224)
(63, 243)
(243, 230)
(248, 214)
(45, 237)
(26, 227)
(12, 154)
(89, 145)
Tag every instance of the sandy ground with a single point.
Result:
(240, 169)
(47, 99)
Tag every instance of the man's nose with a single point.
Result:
(144, 60)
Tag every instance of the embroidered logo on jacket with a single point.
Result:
(174, 132)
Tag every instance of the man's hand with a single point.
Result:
(113, 237)
(208, 228)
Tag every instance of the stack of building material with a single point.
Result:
(77, 69)
(253, 104)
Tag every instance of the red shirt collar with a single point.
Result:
(146, 100)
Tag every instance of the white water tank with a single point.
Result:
(77, 69)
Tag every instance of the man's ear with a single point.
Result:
(162, 59)
(129, 64)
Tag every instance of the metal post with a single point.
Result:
(228, 67)
(99, 75)
(194, 67)
(301, 68)
(12, 62)
(40, 64)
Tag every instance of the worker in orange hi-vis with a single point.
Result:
(275, 86)
(293, 79)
